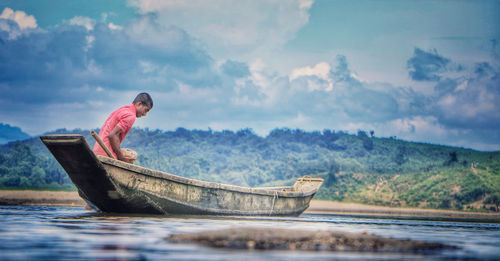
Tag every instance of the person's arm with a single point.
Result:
(114, 140)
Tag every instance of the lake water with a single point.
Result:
(66, 233)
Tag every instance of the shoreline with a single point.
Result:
(40, 198)
(346, 208)
(72, 199)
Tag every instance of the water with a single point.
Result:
(66, 233)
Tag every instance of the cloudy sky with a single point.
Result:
(419, 70)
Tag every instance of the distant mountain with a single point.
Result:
(11, 133)
(356, 168)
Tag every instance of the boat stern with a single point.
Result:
(307, 184)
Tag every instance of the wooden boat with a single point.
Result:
(111, 185)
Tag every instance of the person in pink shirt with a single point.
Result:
(118, 124)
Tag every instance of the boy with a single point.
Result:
(118, 124)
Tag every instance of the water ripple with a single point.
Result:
(62, 233)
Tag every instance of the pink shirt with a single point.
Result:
(123, 117)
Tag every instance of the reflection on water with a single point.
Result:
(64, 233)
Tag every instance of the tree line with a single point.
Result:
(356, 167)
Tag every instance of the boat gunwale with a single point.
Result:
(200, 183)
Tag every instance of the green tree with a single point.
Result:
(37, 177)
(452, 158)
(332, 170)
(24, 182)
(368, 144)
(11, 181)
(493, 199)
(446, 203)
(400, 157)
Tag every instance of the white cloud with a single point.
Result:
(232, 29)
(147, 31)
(147, 67)
(86, 22)
(16, 23)
(244, 100)
(469, 103)
(353, 127)
(114, 26)
(271, 90)
(447, 100)
(257, 69)
(194, 92)
(305, 4)
(320, 70)
(462, 86)
(419, 128)
(147, 6)
(21, 18)
(90, 41)
(482, 103)
(93, 68)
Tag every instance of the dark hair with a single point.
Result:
(144, 98)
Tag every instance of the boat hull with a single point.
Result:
(115, 186)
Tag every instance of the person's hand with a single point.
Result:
(127, 159)
(128, 155)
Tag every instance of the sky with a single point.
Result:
(425, 71)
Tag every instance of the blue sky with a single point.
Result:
(424, 71)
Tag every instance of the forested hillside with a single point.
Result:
(357, 168)
(11, 133)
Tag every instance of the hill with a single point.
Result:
(356, 168)
(11, 133)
